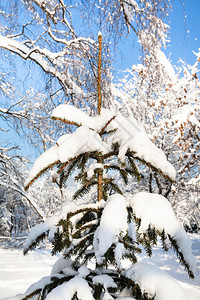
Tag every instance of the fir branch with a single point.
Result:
(87, 217)
(83, 243)
(88, 256)
(66, 163)
(110, 131)
(72, 163)
(122, 172)
(134, 169)
(152, 234)
(29, 296)
(180, 256)
(67, 121)
(84, 189)
(91, 225)
(158, 184)
(115, 187)
(132, 154)
(82, 176)
(110, 154)
(94, 155)
(124, 175)
(146, 243)
(105, 190)
(163, 240)
(130, 256)
(81, 210)
(87, 243)
(103, 129)
(130, 214)
(36, 242)
(130, 247)
(39, 174)
(84, 159)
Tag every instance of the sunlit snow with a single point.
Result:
(156, 210)
(17, 272)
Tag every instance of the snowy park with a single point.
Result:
(99, 150)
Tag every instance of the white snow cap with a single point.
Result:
(37, 285)
(60, 264)
(70, 113)
(81, 141)
(47, 158)
(156, 282)
(197, 55)
(49, 224)
(67, 147)
(113, 223)
(105, 280)
(83, 271)
(156, 210)
(67, 290)
(92, 168)
(132, 136)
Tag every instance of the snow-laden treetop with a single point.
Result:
(127, 132)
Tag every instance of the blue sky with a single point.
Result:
(185, 31)
(184, 34)
(185, 38)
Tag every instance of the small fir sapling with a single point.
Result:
(95, 238)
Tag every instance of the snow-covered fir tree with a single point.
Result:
(100, 242)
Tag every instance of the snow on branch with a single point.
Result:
(49, 226)
(51, 8)
(81, 141)
(70, 114)
(76, 285)
(43, 58)
(155, 282)
(48, 159)
(131, 136)
(156, 211)
(24, 51)
(197, 55)
(188, 112)
(67, 147)
(127, 132)
(107, 235)
(10, 112)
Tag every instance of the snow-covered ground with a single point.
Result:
(170, 264)
(17, 272)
